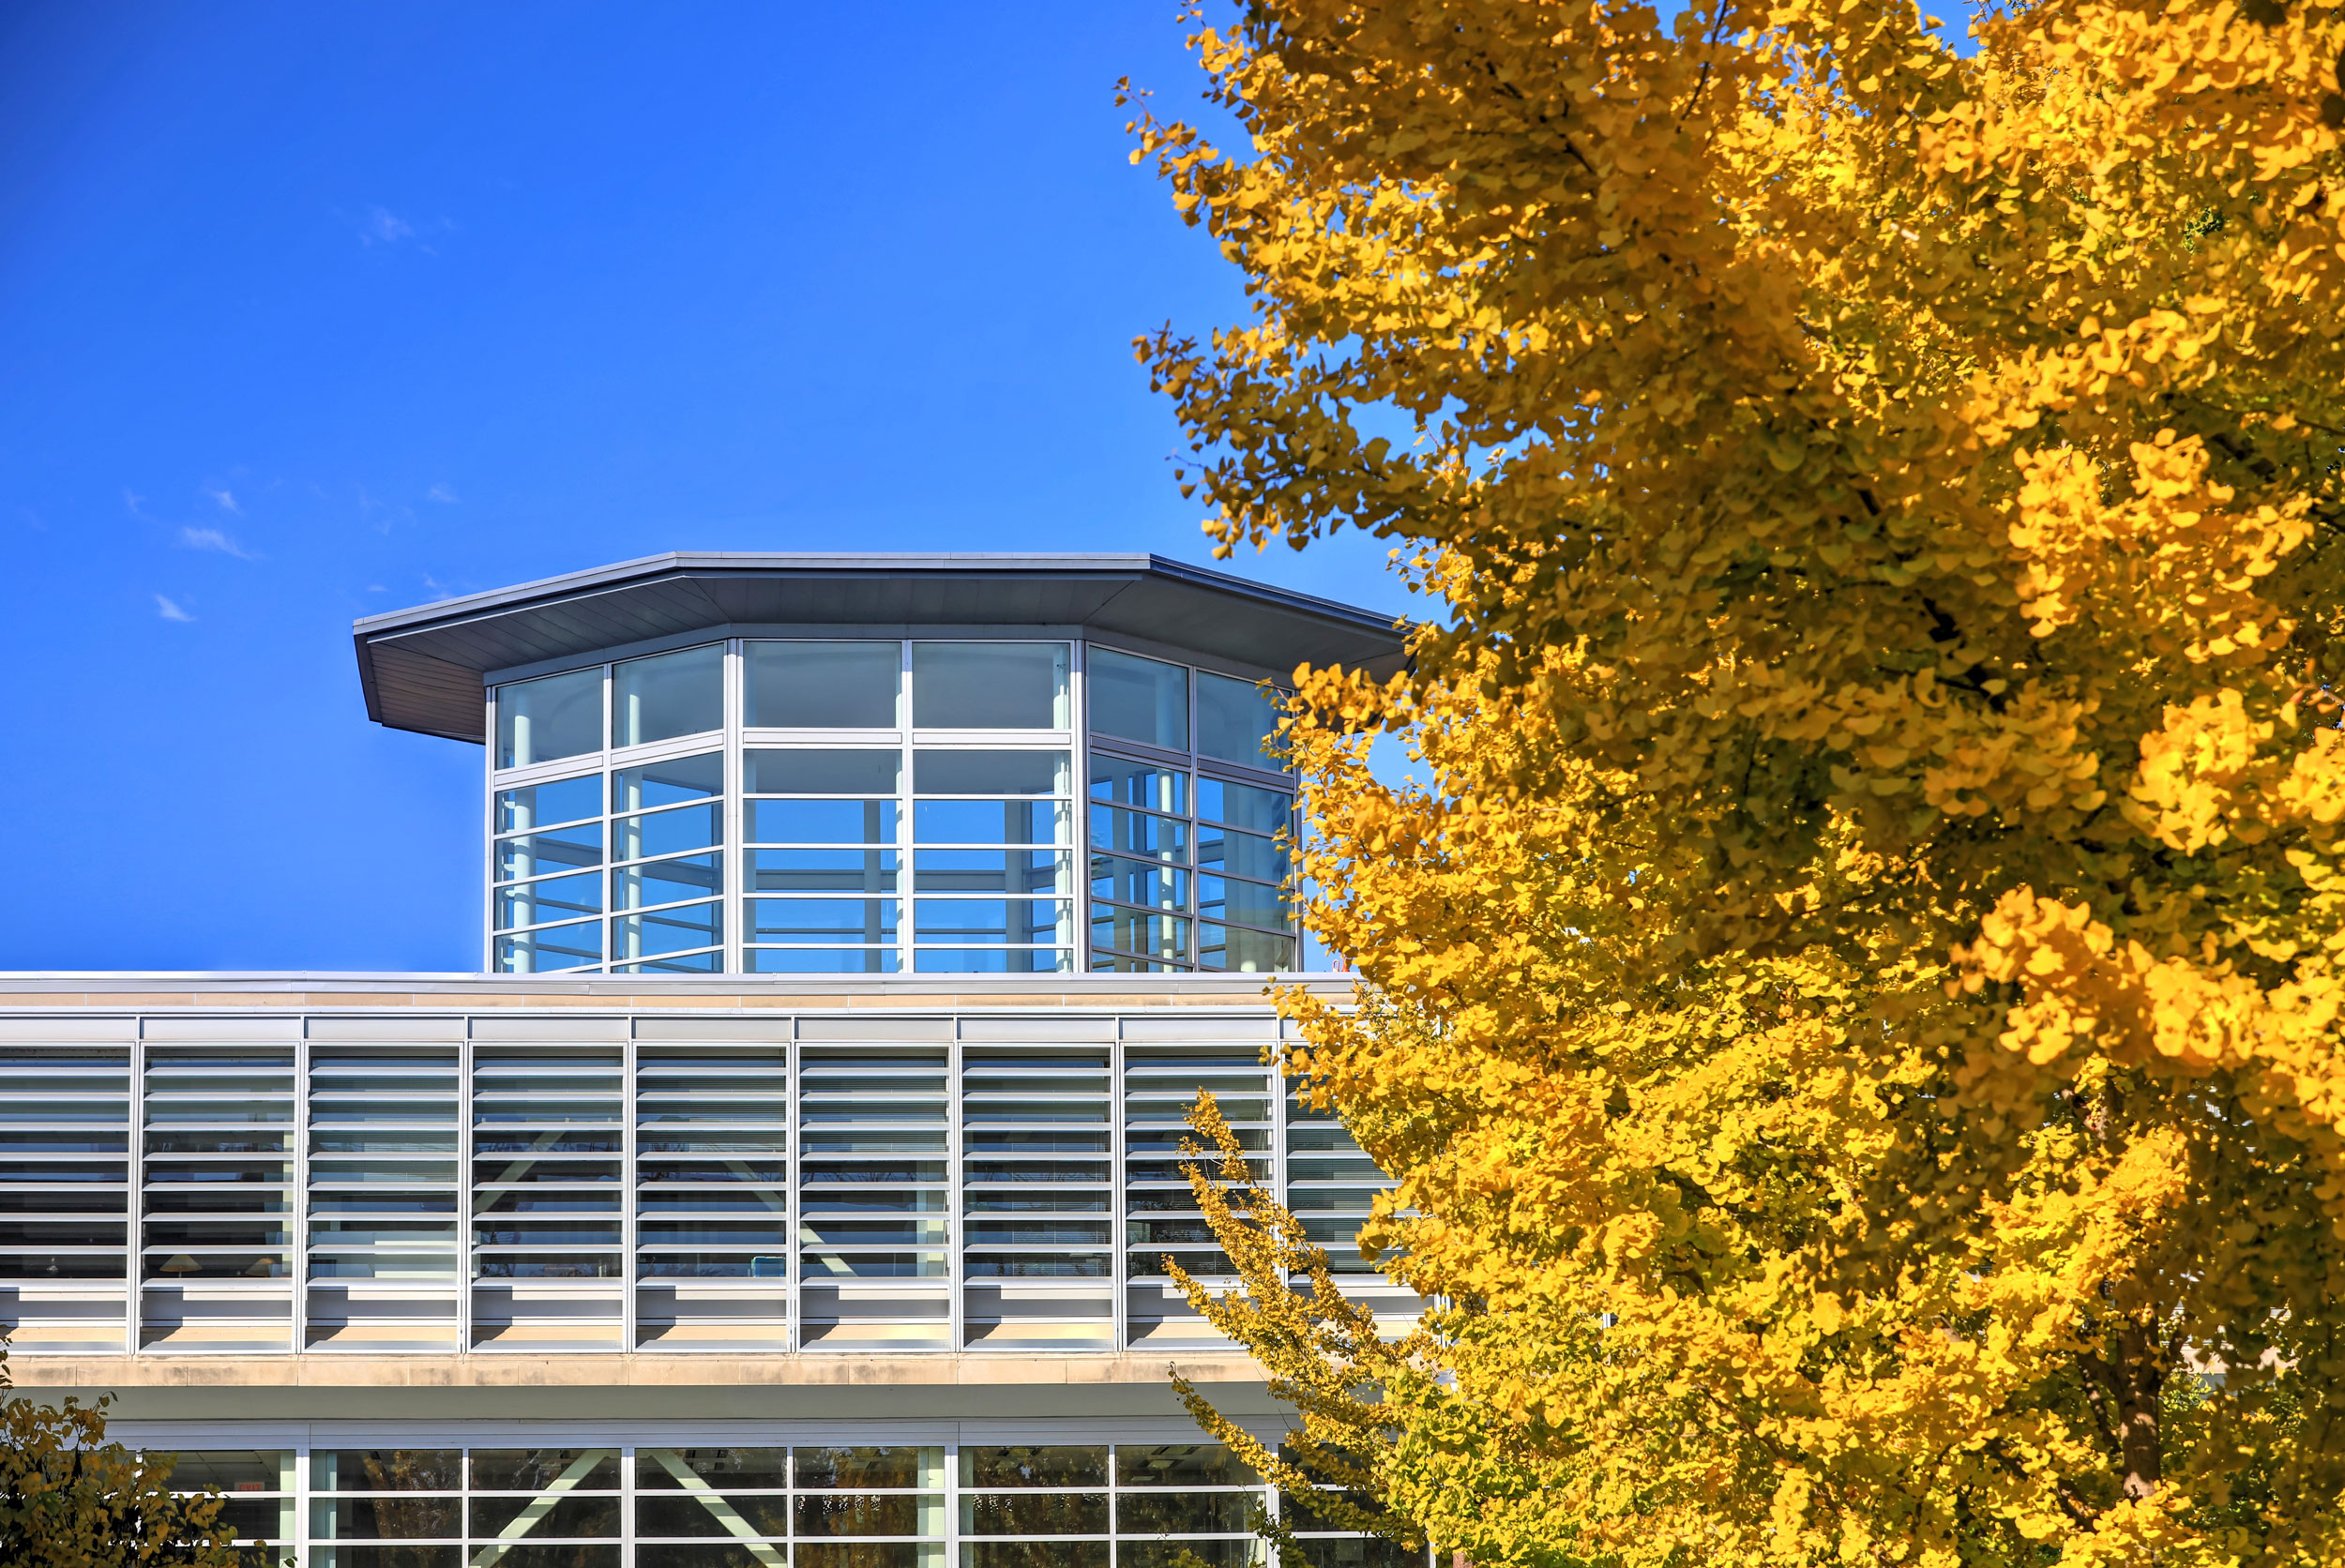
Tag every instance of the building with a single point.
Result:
(794, 1184)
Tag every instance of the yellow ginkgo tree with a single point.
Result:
(1854, 1010)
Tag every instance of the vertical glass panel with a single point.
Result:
(1249, 952)
(537, 855)
(667, 882)
(989, 685)
(565, 800)
(550, 947)
(549, 899)
(689, 827)
(983, 1465)
(667, 695)
(822, 821)
(835, 870)
(1138, 699)
(1243, 854)
(670, 783)
(671, 930)
(870, 1469)
(991, 773)
(822, 685)
(386, 1469)
(556, 715)
(1243, 805)
(825, 771)
(1246, 902)
(990, 822)
(1233, 718)
(1144, 784)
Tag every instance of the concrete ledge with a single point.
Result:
(526, 1387)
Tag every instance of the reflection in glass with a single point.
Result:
(822, 961)
(993, 871)
(1242, 854)
(989, 773)
(1245, 805)
(553, 716)
(1142, 784)
(821, 871)
(1249, 952)
(821, 821)
(531, 854)
(1151, 936)
(822, 685)
(993, 961)
(550, 947)
(990, 822)
(551, 899)
(1138, 699)
(989, 685)
(669, 783)
(825, 771)
(1148, 882)
(667, 695)
(667, 882)
(565, 800)
(1235, 718)
(673, 930)
(1134, 833)
(832, 920)
(1248, 903)
(690, 827)
(976, 920)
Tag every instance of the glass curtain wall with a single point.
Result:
(1186, 865)
(861, 853)
(1024, 1505)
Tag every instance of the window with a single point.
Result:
(1138, 699)
(989, 685)
(823, 826)
(992, 872)
(547, 719)
(820, 685)
(1234, 719)
(668, 695)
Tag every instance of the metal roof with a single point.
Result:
(423, 668)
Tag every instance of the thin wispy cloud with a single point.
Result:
(227, 502)
(212, 538)
(132, 501)
(441, 493)
(170, 609)
(382, 226)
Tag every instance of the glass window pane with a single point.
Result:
(1243, 854)
(690, 827)
(993, 961)
(532, 1470)
(1032, 1467)
(989, 685)
(877, 1469)
(1150, 936)
(1149, 882)
(551, 898)
(988, 920)
(565, 800)
(667, 695)
(667, 881)
(991, 773)
(642, 936)
(725, 1470)
(670, 783)
(1142, 784)
(1180, 1464)
(822, 685)
(803, 920)
(1243, 805)
(556, 715)
(1249, 952)
(993, 871)
(822, 821)
(990, 822)
(822, 961)
(1233, 718)
(533, 855)
(386, 1469)
(821, 871)
(1138, 699)
(826, 772)
(550, 947)
(1134, 834)
(690, 963)
(1248, 903)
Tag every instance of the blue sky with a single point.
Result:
(311, 311)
